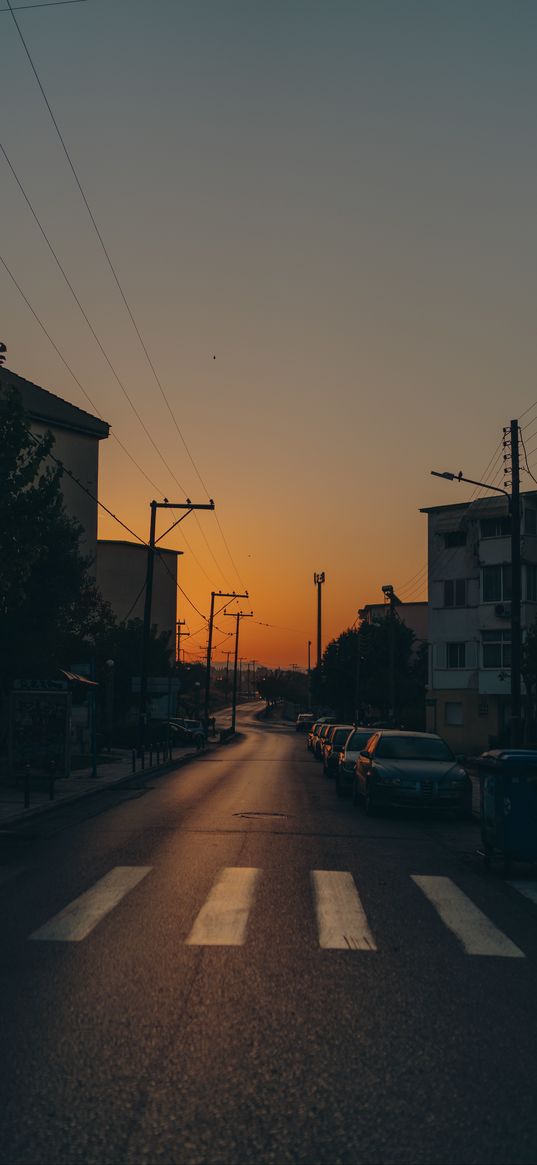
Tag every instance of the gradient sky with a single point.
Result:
(337, 200)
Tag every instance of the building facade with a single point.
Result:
(76, 444)
(121, 574)
(469, 549)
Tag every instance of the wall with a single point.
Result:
(121, 574)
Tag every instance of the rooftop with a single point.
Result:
(42, 405)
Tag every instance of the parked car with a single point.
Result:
(348, 755)
(410, 768)
(315, 728)
(319, 737)
(332, 744)
(304, 722)
(311, 734)
(184, 731)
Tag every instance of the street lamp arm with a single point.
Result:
(459, 477)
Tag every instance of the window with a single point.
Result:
(530, 521)
(413, 748)
(496, 583)
(455, 592)
(453, 712)
(496, 648)
(531, 583)
(495, 527)
(455, 538)
(456, 655)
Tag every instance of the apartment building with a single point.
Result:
(469, 551)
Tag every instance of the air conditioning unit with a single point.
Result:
(503, 610)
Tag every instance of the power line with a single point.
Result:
(85, 393)
(46, 4)
(109, 261)
(120, 522)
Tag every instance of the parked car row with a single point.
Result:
(387, 767)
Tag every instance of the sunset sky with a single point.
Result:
(322, 215)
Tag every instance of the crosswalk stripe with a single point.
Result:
(528, 889)
(340, 915)
(223, 919)
(80, 917)
(474, 930)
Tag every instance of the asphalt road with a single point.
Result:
(255, 975)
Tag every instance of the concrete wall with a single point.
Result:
(80, 454)
(121, 573)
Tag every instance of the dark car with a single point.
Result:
(304, 722)
(184, 731)
(318, 740)
(348, 755)
(332, 744)
(410, 769)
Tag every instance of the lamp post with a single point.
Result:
(513, 502)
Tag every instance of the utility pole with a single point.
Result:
(227, 655)
(254, 685)
(223, 595)
(358, 688)
(309, 673)
(516, 593)
(241, 658)
(391, 598)
(513, 502)
(318, 579)
(238, 615)
(180, 623)
(165, 505)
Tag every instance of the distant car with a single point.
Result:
(348, 755)
(184, 731)
(304, 722)
(410, 769)
(332, 744)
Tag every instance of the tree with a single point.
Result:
(48, 601)
(354, 677)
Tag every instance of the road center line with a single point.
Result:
(474, 930)
(340, 915)
(223, 919)
(79, 918)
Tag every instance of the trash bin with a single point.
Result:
(508, 804)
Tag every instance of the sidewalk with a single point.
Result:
(81, 784)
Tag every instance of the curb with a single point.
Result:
(23, 815)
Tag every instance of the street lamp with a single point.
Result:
(513, 502)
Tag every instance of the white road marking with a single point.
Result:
(223, 919)
(340, 915)
(79, 918)
(474, 930)
(528, 889)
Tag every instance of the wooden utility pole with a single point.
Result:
(180, 623)
(238, 615)
(516, 593)
(151, 546)
(223, 595)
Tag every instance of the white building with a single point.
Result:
(469, 549)
(121, 574)
(76, 444)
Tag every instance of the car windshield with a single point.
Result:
(358, 741)
(340, 736)
(413, 748)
